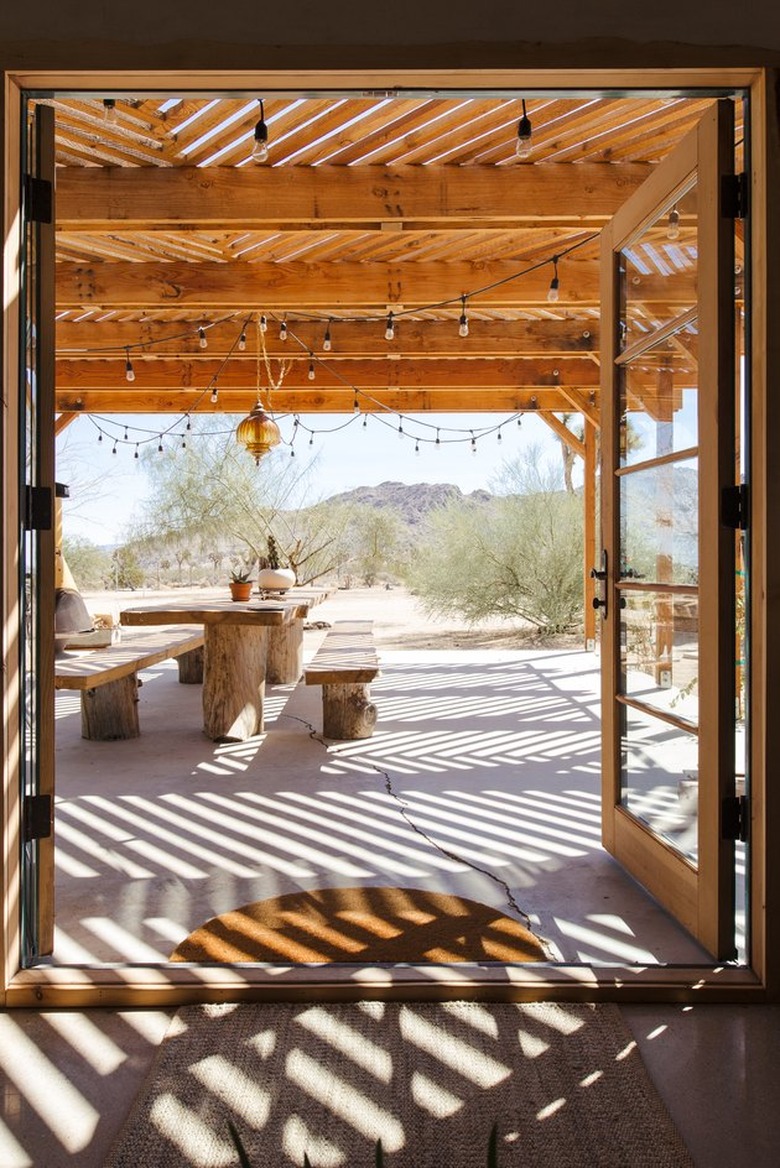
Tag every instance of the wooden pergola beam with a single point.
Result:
(420, 339)
(99, 199)
(309, 401)
(476, 373)
(564, 433)
(331, 286)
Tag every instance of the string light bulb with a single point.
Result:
(553, 291)
(473, 443)
(129, 371)
(283, 331)
(160, 446)
(263, 323)
(327, 344)
(390, 327)
(463, 323)
(109, 110)
(416, 446)
(214, 394)
(242, 341)
(203, 340)
(673, 224)
(136, 451)
(312, 374)
(524, 135)
(437, 443)
(114, 450)
(260, 148)
(356, 405)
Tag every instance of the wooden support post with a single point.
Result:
(191, 667)
(234, 681)
(347, 711)
(590, 616)
(664, 565)
(110, 711)
(285, 653)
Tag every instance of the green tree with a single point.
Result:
(520, 555)
(89, 564)
(213, 496)
(125, 570)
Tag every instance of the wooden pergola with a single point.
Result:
(415, 205)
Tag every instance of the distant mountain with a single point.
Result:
(412, 501)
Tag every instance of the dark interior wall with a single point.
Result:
(521, 33)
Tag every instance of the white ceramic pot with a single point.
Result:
(275, 579)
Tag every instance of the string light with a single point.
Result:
(260, 148)
(242, 341)
(401, 429)
(463, 323)
(283, 331)
(109, 110)
(390, 327)
(498, 437)
(189, 423)
(160, 446)
(100, 435)
(136, 451)
(416, 446)
(263, 323)
(524, 135)
(365, 421)
(327, 344)
(114, 450)
(473, 443)
(125, 433)
(129, 371)
(673, 225)
(214, 394)
(311, 439)
(312, 373)
(438, 441)
(552, 292)
(183, 442)
(203, 340)
(356, 405)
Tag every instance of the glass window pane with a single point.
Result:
(659, 651)
(659, 401)
(659, 779)
(658, 271)
(659, 524)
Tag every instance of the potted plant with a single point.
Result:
(274, 577)
(241, 582)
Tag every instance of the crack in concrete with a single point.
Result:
(388, 783)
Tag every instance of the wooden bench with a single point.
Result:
(108, 679)
(345, 665)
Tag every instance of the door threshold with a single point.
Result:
(120, 986)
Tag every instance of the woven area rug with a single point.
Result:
(368, 925)
(564, 1083)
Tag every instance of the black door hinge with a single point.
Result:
(735, 818)
(38, 199)
(36, 817)
(734, 196)
(38, 509)
(734, 506)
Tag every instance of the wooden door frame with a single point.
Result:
(77, 987)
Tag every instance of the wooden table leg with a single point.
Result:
(285, 653)
(233, 681)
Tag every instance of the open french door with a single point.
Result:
(36, 535)
(667, 576)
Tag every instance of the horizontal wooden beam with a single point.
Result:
(286, 286)
(101, 198)
(312, 401)
(420, 339)
(501, 372)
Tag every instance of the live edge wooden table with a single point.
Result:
(243, 645)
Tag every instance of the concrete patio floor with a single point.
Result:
(481, 779)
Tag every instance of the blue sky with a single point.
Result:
(107, 489)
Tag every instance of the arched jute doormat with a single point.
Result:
(362, 925)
